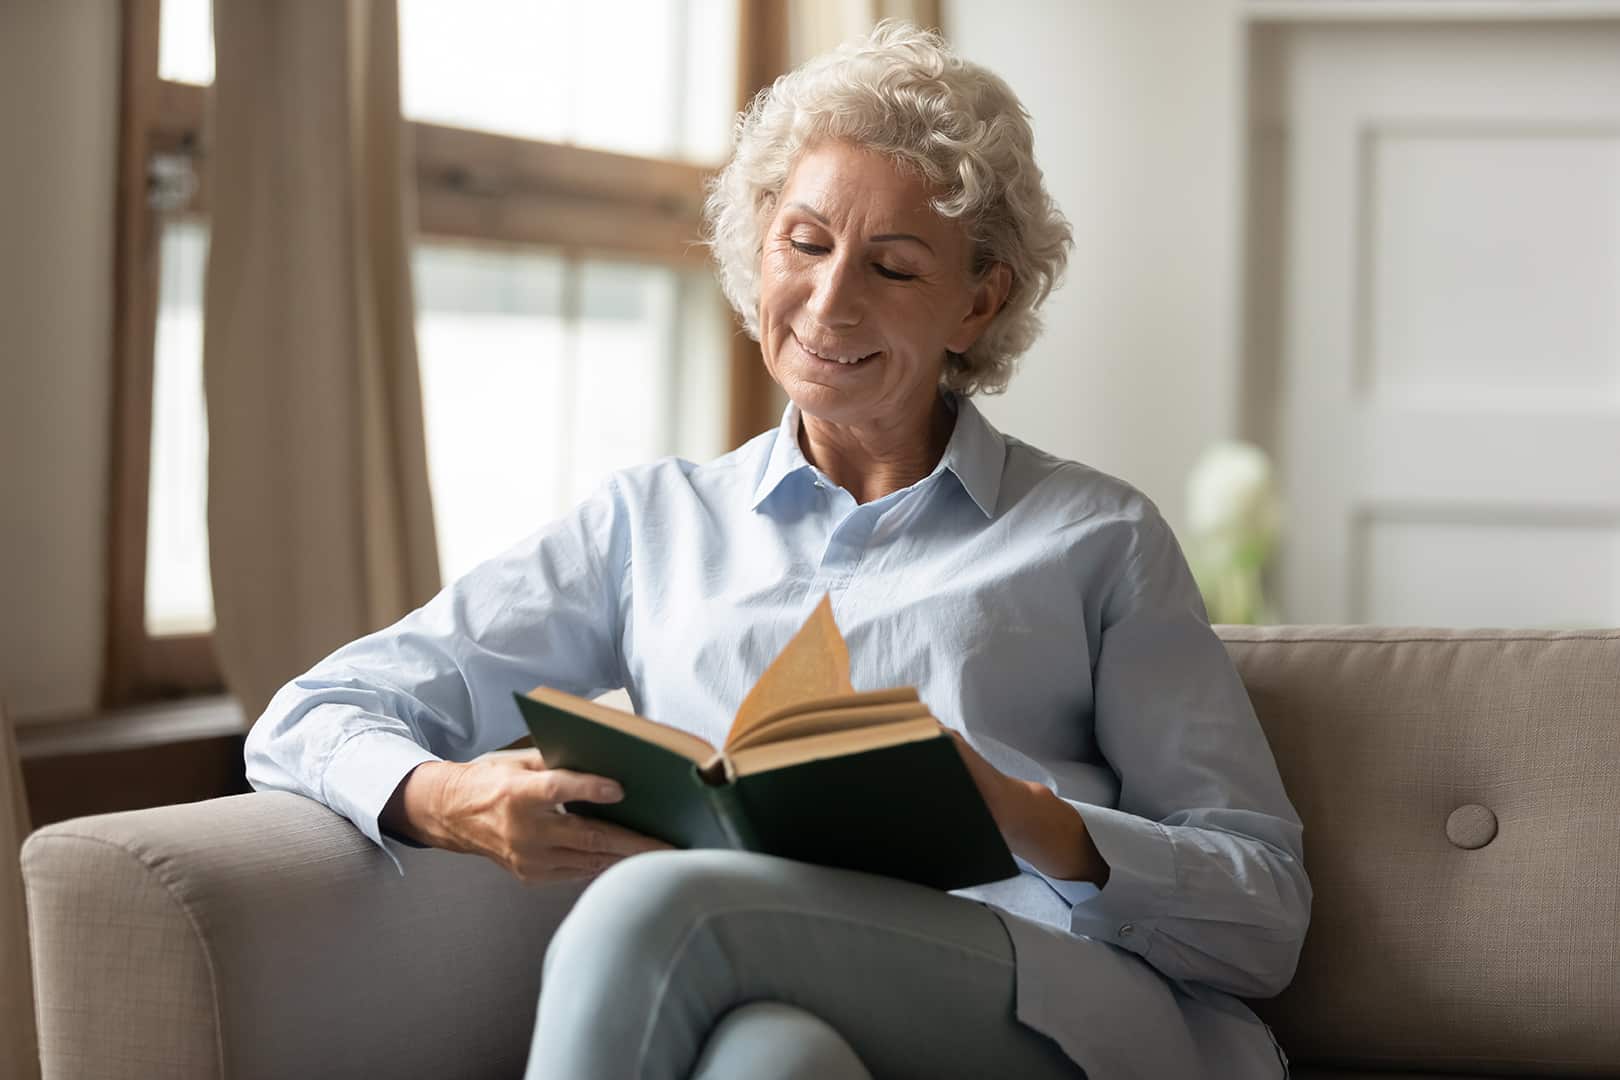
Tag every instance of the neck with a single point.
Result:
(871, 461)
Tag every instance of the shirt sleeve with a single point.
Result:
(438, 684)
(1206, 861)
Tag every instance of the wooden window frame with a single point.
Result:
(472, 186)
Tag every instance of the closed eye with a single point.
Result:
(817, 249)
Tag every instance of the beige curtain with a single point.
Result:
(319, 518)
(19, 1046)
(816, 26)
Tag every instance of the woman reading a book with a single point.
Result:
(883, 230)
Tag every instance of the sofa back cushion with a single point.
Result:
(1461, 798)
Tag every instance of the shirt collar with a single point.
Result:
(786, 457)
(975, 455)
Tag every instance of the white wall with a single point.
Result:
(58, 127)
(1136, 106)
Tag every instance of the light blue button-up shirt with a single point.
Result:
(1040, 607)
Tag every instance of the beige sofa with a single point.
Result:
(1461, 798)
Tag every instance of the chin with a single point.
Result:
(831, 405)
(821, 401)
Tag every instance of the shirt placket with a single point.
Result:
(847, 541)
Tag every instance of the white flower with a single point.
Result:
(1232, 497)
(1233, 519)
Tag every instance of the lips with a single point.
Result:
(835, 354)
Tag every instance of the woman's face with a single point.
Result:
(863, 288)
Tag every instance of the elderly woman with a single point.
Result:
(884, 231)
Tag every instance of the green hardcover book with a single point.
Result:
(811, 770)
(894, 798)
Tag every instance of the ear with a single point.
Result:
(989, 295)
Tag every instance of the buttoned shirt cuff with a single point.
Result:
(361, 777)
(1141, 876)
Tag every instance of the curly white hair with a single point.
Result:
(902, 92)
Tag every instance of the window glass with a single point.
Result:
(652, 77)
(186, 41)
(540, 375)
(179, 596)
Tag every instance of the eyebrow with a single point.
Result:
(879, 239)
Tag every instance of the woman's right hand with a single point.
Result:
(507, 806)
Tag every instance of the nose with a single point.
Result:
(837, 299)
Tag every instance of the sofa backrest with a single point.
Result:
(1461, 798)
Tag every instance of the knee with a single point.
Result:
(642, 909)
(770, 1038)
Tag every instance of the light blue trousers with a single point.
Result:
(721, 964)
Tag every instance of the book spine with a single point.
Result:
(727, 806)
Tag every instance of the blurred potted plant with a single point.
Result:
(1234, 518)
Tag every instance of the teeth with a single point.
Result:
(834, 359)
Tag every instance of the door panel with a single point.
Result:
(1444, 203)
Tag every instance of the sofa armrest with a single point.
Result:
(263, 935)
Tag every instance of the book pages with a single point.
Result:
(841, 716)
(813, 664)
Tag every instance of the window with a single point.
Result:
(179, 595)
(666, 88)
(567, 325)
(541, 373)
(186, 41)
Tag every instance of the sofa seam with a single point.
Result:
(185, 910)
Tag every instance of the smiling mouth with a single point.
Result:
(842, 359)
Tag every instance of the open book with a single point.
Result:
(811, 770)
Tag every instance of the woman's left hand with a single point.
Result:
(1039, 827)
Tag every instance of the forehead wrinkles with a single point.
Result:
(872, 197)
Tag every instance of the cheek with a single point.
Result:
(773, 280)
(781, 287)
(916, 322)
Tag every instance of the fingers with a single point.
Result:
(575, 847)
(561, 867)
(578, 864)
(564, 785)
(524, 830)
(582, 835)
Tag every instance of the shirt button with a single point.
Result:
(1127, 930)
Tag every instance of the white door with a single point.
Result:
(1444, 202)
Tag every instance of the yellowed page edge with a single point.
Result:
(824, 721)
(855, 699)
(798, 751)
